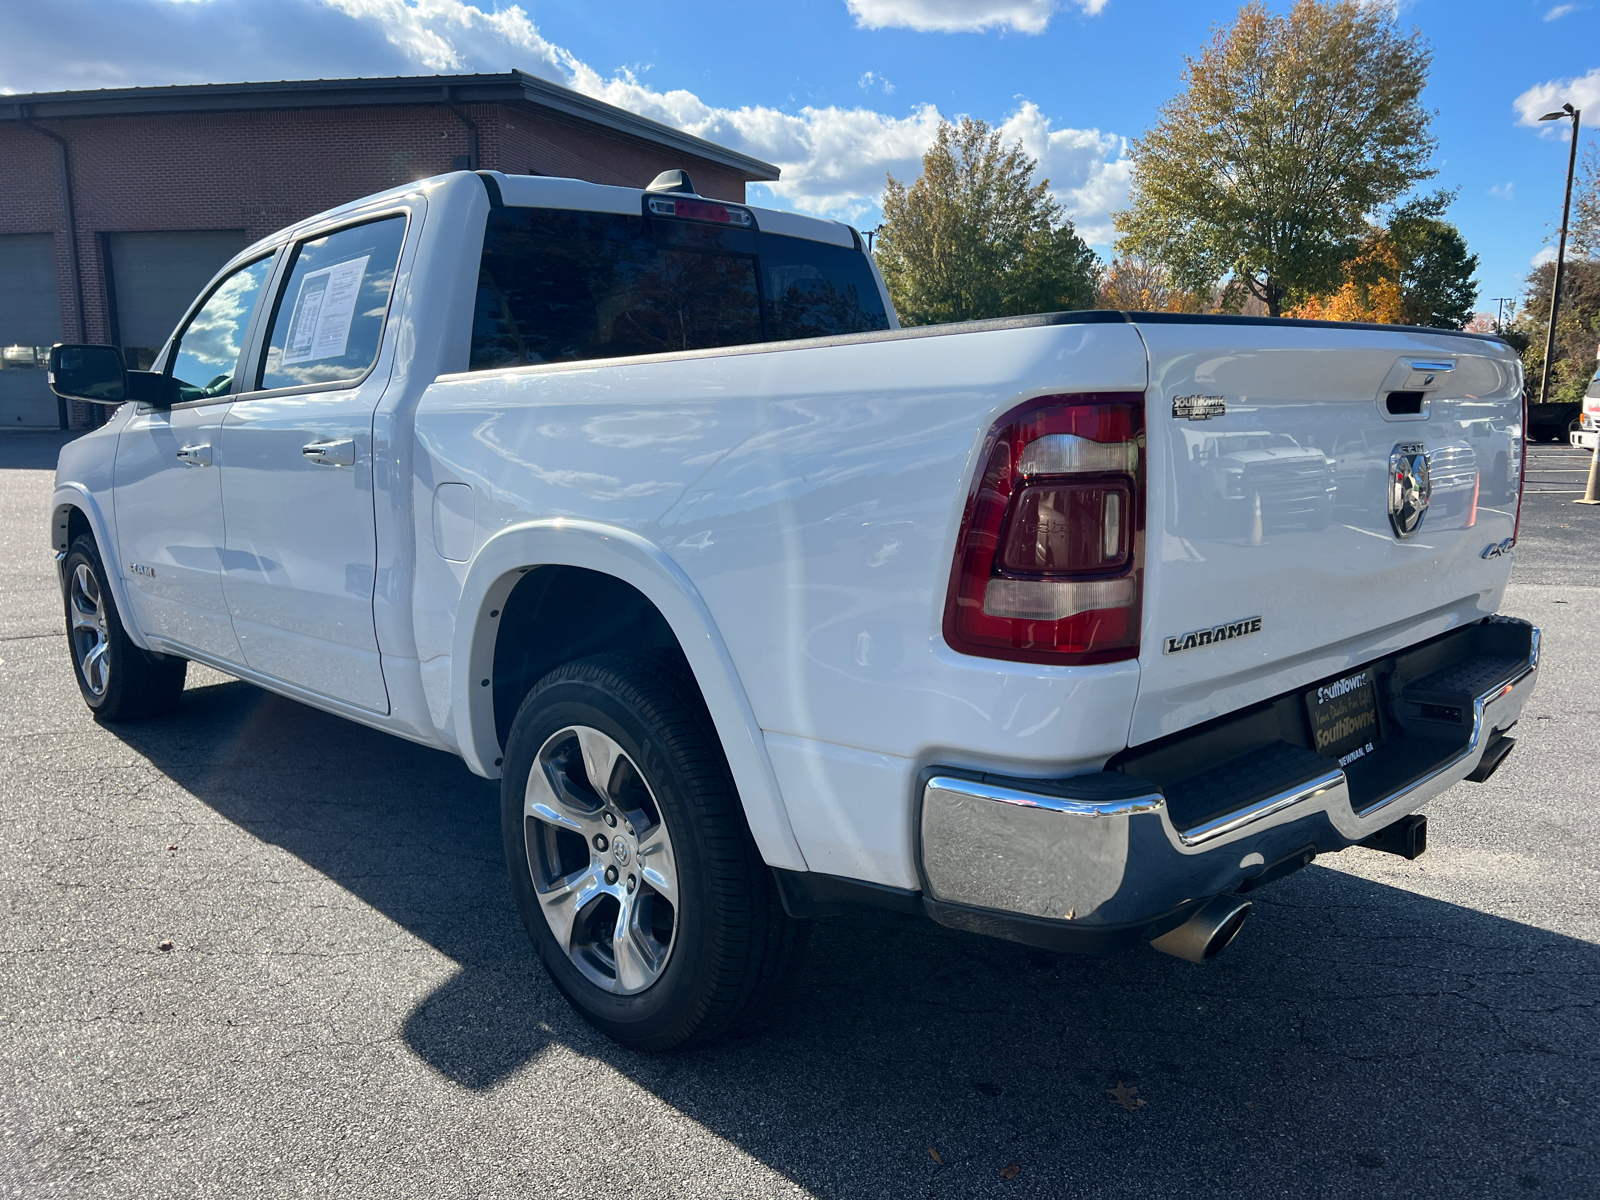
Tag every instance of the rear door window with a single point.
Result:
(561, 286)
(328, 323)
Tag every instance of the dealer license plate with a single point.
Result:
(1344, 717)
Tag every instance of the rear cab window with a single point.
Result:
(557, 285)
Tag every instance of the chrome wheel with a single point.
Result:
(91, 639)
(601, 860)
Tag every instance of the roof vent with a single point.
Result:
(672, 181)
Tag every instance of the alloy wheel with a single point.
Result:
(601, 860)
(91, 638)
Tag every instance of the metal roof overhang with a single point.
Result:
(515, 88)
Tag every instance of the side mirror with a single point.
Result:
(91, 373)
(95, 374)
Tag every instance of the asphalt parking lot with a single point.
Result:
(351, 1007)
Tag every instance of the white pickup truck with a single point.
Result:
(1072, 629)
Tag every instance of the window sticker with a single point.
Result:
(323, 311)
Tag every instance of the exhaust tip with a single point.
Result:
(1207, 932)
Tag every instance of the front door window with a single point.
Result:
(208, 349)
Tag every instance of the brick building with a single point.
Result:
(117, 206)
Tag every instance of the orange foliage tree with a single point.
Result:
(1370, 292)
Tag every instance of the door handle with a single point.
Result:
(196, 456)
(341, 453)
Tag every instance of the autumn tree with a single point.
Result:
(976, 236)
(1578, 326)
(1414, 271)
(1291, 131)
(1133, 284)
(1583, 239)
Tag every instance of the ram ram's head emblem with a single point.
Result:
(1410, 488)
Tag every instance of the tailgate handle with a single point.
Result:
(1428, 372)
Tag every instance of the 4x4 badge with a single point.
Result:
(1497, 549)
(1410, 487)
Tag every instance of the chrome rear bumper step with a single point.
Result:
(1104, 852)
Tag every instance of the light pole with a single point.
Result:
(1500, 303)
(1561, 246)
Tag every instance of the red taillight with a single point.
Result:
(1049, 563)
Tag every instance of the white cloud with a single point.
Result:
(1088, 171)
(833, 159)
(871, 80)
(1582, 92)
(1559, 11)
(962, 16)
(1502, 191)
(1547, 255)
(446, 34)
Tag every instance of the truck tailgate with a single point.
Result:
(1272, 559)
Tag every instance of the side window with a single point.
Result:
(558, 286)
(208, 349)
(329, 318)
(813, 289)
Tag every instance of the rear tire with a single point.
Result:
(629, 857)
(119, 681)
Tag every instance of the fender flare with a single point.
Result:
(499, 566)
(74, 495)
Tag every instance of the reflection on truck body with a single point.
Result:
(1293, 484)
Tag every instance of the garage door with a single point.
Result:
(30, 323)
(154, 277)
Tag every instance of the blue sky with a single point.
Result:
(837, 92)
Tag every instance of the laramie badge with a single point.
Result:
(1410, 488)
(1217, 634)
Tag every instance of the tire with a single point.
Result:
(119, 681)
(705, 932)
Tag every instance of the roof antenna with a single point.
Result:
(672, 181)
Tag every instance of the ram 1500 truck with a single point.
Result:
(1073, 629)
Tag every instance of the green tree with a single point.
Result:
(1414, 272)
(1577, 328)
(976, 237)
(1290, 132)
(1437, 287)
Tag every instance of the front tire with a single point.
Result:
(119, 681)
(629, 857)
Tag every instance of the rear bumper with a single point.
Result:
(1093, 862)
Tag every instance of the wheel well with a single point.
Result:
(558, 614)
(72, 523)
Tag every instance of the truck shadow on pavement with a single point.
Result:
(32, 449)
(1357, 1038)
